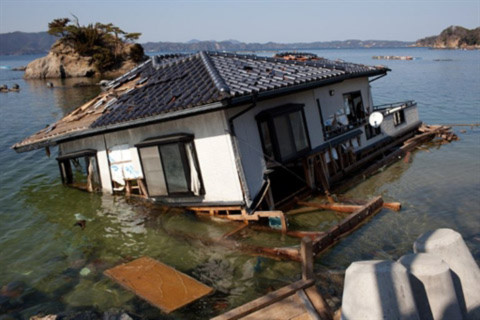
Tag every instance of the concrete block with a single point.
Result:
(377, 290)
(450, 247)
(432, 285)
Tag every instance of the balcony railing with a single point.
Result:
(395, 105)
(339, 129)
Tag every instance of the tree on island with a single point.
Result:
(105, 43)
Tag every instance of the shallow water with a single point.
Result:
(41, 247)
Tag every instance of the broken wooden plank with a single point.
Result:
(265, 301)
(340, 207)
(306, 252)
(162, 286)
(238, 229)
(395, 206)
(349, 224)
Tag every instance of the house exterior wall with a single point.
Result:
(96, 143)
(212, 144)
(331, 103)
(248, 137)
(388, 128)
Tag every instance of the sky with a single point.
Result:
(249, 20)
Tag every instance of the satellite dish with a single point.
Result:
(375, 119)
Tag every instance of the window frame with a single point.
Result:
(352, 110)
(181, 141)
(62, 159)
(401, 117)
(269, 117)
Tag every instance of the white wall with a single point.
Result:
(212, 143)
(247, 131)
(331, 104)
(248, 136)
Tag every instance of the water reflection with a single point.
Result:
(68, 93)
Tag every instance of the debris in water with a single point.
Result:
(81, 223)
(85, 272)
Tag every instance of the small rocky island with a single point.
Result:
(453, 37)
(87, 51)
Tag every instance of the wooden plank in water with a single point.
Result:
(265, 301)
(347, 225)
(162, 286)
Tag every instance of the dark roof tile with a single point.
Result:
(177, 82)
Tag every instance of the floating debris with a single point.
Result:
(85, 272)
(392, 58)
(81, 223)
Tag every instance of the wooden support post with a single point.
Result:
(269, 199)
(309, 172)
(340, 157)
(143, 188)
(332, 160)
(306, 253)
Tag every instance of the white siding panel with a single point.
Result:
(212, 144)
(248, 136)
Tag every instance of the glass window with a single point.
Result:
(287, 137)
(282, 130)
(175, 169)
(267, 140)
(171, 168)
(152, 167)
(354, 106)
(298, 130)
(398, 117)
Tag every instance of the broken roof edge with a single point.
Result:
(53, 141)
(223, 104)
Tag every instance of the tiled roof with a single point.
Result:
(173, 85)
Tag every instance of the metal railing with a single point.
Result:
(394, 105)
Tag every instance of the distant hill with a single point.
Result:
(17, 43)
(233, 45)
(453, 37)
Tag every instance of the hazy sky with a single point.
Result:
(249, 20)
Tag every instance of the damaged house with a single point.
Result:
(226, 130)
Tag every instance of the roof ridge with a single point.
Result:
(321, 63)
(214, 74)
(177, 58)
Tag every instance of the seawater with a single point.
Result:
(42, 251)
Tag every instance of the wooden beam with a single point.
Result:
(395, 206)
(235, 208)
(265, 301)
(349, 224)
(306, 252)
(238, 229)
(340, 207)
